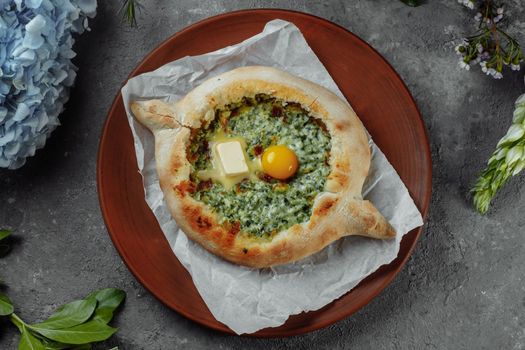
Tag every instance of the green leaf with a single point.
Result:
(108, 300)
(92, 331)
(69, 315)
(6, 306)
(29, 342)
(4, 234)
(412, 3)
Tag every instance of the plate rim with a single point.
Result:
(218, 326)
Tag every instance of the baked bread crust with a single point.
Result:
(338, 211)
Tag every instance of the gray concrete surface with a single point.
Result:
(463, 287)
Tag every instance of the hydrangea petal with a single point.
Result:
(3, 113)
(33, 38)
(33, 4)
(89, 7)
(21, 112)
(7, 137)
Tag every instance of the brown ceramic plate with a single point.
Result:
(375, 91)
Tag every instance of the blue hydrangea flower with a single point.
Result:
(36, 39)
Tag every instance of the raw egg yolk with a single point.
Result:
(279, 162)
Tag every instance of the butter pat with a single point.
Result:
(232, 158)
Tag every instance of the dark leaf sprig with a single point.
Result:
(490, 47)
(412, 3)
(129, 10)
(507, 160)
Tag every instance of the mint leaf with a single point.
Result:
(91, 331)
(108, 300)
(70, 315)
(29, 342)
(6, 306)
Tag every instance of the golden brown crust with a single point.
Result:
(337, 212)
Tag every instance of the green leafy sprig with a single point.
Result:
(490, 47)
(507, 160)
(73, 326)
(129, 10)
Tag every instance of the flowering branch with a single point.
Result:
(507, 160)
(490, 46)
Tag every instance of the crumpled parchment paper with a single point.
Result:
(244, 299)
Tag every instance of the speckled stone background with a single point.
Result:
(464, 286)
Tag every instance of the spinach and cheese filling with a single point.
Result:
(262, 205)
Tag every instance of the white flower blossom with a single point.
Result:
(467, 3)
(515, 66)
(489, 71)
(464, 65)
(497, 75)
(483, 65)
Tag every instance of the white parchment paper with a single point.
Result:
(245, 299)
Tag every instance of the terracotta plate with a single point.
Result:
(377, 94)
